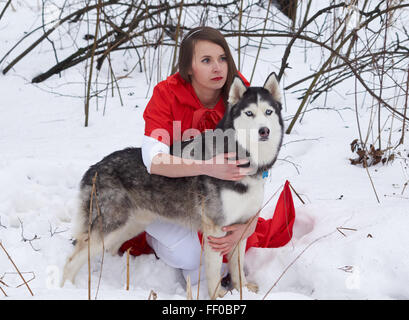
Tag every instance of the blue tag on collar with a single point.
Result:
(265, 174)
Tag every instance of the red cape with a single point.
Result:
(269, 233)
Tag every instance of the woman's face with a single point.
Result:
(209, 66)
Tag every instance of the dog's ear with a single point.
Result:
(237, 90)
(272, 86)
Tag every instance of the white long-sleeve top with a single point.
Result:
(150, 148)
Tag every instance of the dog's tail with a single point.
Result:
(81, 218)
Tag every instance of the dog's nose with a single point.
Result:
(264, 132)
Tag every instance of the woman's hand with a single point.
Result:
(235, 233)
(221, 167)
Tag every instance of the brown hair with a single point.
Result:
(187, 48)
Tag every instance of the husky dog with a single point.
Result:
(127, 198)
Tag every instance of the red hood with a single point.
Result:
(183, 91)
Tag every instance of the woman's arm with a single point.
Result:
(157, 160)
(234, 233)
(219, 167)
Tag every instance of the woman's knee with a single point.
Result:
(187, 254)
(183, 252)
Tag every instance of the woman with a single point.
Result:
(187, 103)
(193, 98)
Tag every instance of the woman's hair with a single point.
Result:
(187, 49)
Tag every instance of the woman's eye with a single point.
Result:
(268, 112)
(206, 60)
(249, 113)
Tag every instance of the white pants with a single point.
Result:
(178, 247)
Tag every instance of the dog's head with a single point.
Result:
(255, 115)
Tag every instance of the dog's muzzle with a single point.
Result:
(263, 133)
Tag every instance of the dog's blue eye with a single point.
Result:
(269, 112)
(249, 113)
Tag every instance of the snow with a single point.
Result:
(346, 245)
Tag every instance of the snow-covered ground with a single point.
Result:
(346, 245)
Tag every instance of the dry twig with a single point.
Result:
(23, 238)
(152, 295)
(292, 262)
(342, 228)
(4, 9)
(89, 234)
(127, 268)
(18, 271)
(4, 292)
(92, 63)
(188, 289)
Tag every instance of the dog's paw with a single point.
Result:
(252, 287)
(222, 292)
(219, 294)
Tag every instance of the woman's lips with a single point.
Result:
(217, 78)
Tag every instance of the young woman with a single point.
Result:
(193, 98)
(187, 103)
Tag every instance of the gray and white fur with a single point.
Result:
(128, 198)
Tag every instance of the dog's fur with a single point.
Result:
(128, 198)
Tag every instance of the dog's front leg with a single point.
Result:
(237, 270)
(213, 260)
